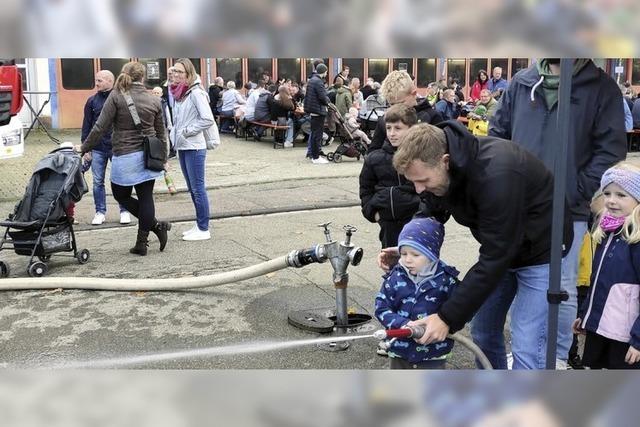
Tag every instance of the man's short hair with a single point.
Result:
(396, 85)
(448, 92)
(401, 113)
(485, 92)
(108, 74)
(423, 142)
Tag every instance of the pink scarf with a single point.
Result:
(611, 223)
(178, 90)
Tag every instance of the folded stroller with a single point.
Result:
(40, 224)
(349, 146)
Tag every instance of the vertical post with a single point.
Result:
(554, 295)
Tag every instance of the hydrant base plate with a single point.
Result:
(309, 320)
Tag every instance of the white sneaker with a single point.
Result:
(125, 218)
(288, 144)
(319, 161)
(191, 230)
(98, 219)
(197, 235)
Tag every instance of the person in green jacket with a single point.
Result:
(344, 97)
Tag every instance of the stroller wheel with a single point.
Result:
(337, 158)
(44, 258)
(330, 156)
(4, 269)
(37, 269)
(83, 256)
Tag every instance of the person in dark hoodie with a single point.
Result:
(504, 195)
(102, 153)
(528, 115)
(398, 87)
(387, 197)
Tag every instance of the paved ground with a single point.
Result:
(265, 202)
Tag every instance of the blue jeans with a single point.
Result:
(568, 309)
(524, 290)
(192, 163)
(226, 121)
(289, 135)
(99, 160)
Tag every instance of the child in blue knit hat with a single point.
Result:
(415, 288)
(610, 316)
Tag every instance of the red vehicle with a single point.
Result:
(11, 135)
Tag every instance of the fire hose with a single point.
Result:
(418, 331)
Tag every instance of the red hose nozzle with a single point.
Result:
(408, 332)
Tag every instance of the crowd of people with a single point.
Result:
(423, 167)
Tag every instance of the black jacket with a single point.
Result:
(92, 110)
(214, 96)
(426, 114)
(367, 91)
(597, 138)
(315, 100)
(504, 195)
(384, 190)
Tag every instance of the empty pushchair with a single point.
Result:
(40, 224)
(348, 146)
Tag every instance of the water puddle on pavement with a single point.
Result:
(258, 347)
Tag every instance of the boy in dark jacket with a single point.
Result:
(415, 288)
(387, 197)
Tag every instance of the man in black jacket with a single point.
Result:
(505, 196)
(528, 115)
(214, 94)
(399, 87)
(315, 104)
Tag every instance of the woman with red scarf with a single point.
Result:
(191, 117)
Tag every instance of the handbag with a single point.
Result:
(154, 155)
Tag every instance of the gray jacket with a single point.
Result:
(115, 113)
(191, 116)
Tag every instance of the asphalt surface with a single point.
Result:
(265, 203)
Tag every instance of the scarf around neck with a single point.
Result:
(551, 81)
(178, 90)
(611, 223)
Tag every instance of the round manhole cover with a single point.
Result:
(310, 321)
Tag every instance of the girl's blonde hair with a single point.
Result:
(189, 69)
(131, 72)
(631, 227)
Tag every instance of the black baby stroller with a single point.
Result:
(349, 146)
(40, 225)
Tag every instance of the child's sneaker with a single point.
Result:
(382, 348)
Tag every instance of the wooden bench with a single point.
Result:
(277, 131)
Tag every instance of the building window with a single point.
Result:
(405, 64)
(378, 69)
(426, 71)
(230, 69)
(518, 64)
(289, 68)
(155, 71)
(113, 64)
(77, 73)
(356, 67)
(309, 65)
(499, 62)
(635, 72)
(475, 65)
(456, 70)
(258, 67)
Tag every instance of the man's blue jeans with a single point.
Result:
(568, 309)
(99, 160)
(524, 290)
(192, 163)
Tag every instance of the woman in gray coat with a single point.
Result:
(128, 167)
(191, 117)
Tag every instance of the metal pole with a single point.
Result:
(554, 295)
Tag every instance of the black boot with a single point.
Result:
(160, 230)
(142, 242)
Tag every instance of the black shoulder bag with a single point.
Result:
(153, 153)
